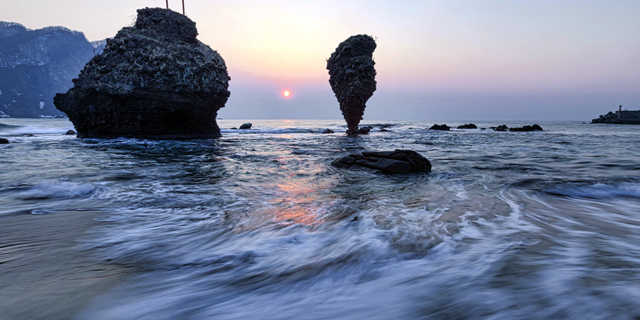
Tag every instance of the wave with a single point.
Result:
(277, 130)
(598, 191)
(4, 127)
(57, 190)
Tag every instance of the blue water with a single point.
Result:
(258, 225)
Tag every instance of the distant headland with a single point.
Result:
(619, 117)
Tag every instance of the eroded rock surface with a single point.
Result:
(353, 77)
(152, 80)
(393, 162)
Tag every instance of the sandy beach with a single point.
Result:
(43, 272)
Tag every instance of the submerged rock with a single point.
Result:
(443, 127)
(246, 126)
(327, 131)
(70, 132)
(353, 77)
(394, 162)
(534, 127)
(4, 141)
(152, 80)
(468, 126)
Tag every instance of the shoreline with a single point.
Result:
(43, 273)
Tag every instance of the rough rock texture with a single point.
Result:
(35, 65)
(353, 77)
(534, 127)
(443, 127)
(468, 126)
(152, 80)
(394, 162)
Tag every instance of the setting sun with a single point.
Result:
(286, 93)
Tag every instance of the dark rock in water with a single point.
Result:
(443, 127)
(394, 162)
(534, 127)
(3, 141)
(363, 130)
(246, 126)
(353, 77)
(327, 131)
(468, 126)
(234, 128)
(28, 134)
(70, 132)
(500, 128)
(153, 80)
(384, 130)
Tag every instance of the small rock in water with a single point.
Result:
(245, 126)
(468, 126)
(28, 134)
(534, 127)
(440, 127)
(3, 141)
(393, 162)
(70, 132)
(500, 128)
(234, 128)
(363, 130)
(327, 131)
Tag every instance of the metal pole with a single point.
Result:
(182, 7)
(167, 4)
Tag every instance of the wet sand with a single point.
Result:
(43, 273)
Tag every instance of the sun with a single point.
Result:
(286, 93)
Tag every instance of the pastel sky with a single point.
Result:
(436, 60)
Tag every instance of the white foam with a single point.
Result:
(57, 189)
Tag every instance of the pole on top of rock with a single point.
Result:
(167, 4)
(182, 8)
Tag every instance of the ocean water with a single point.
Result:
(258, 225)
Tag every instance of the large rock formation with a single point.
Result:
(393, 162)
(35, 65)
(153, 80)
(353, 77)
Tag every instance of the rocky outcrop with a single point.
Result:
(393, 162)
(35, 65)
(500, 128)
(468, 126)
(442, 127)
(353, 77)
(534, 127)
(607, 118)
(246, 126)
(153, 80)
(4, 141)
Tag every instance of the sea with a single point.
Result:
(258, 225)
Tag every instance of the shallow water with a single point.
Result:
(257, 224)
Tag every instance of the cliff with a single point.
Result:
(37, 64)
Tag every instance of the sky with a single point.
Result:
(436, 60)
